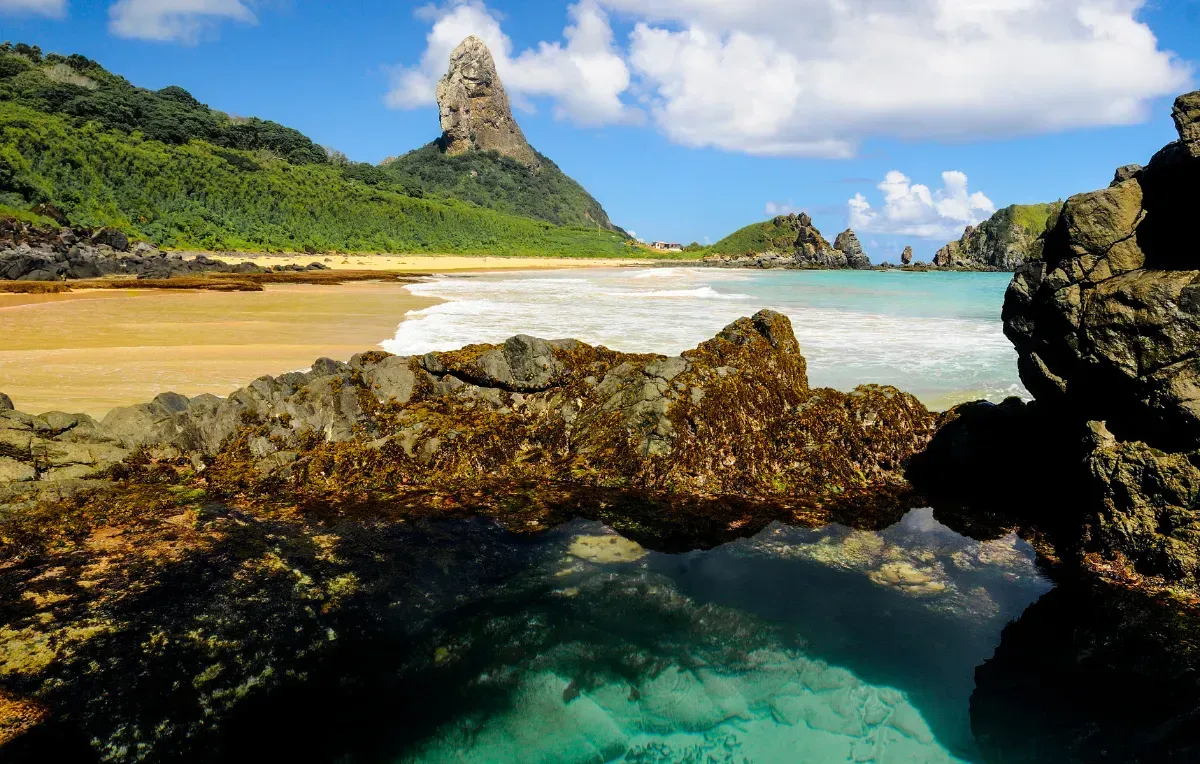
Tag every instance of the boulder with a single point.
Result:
(1186, 114)
(906, 257)
(733, 416)
(6, 403)
(1106, 324)
(112, 238)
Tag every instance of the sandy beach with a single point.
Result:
(90, 351)
(434, 263)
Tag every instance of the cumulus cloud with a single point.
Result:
(174, 20)
(52, 8)
(816, 77)
(914, 210)
(585, 74)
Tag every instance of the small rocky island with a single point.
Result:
(788, 241)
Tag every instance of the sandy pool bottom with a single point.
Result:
(89, 352)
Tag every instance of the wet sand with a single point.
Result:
(90, 351)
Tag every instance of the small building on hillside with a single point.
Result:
(663, 246)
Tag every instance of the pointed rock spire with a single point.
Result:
(475, 111)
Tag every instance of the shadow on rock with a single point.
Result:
(1092, 673)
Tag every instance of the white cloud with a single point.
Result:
(585, 75)
(816, 77)
(914, 210)
(52, 8)
(777, 208)
(174, 20)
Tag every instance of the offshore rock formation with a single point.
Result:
(906, 257)
(788, 241)
(1003, 242)
(847, 243)
(475, 111)
(1107, 327)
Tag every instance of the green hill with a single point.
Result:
(500, 183)
(203, 196)
(783, 234)
(164, 167)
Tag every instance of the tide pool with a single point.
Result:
(936, 335)
(581, 646)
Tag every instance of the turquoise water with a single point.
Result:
(580, 646)
(795, 645)
(937, 335)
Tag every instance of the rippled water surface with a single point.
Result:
(937, 335)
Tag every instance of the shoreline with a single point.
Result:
(90, 351)
(425, 264)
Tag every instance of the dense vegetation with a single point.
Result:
(499, 183)
(205, 196)
(162, 166)
(775, 235)
(80, 89)
(1034, 219)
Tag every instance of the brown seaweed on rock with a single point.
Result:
(205, 550)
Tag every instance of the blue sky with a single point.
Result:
(690, 118)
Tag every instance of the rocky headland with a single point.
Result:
(1003, 242)
(788, 241)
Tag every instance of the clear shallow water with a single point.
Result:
(937, 335)
(795, 645)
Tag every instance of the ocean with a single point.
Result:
(936, 335)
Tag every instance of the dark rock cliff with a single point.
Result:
(1107, 326)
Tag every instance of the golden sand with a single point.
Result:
(435, 263)
(90, 351)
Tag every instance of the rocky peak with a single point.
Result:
(848, 244)
(808, 240)
(1187, 121)
(475, 111)
(906, 257)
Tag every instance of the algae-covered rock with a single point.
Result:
(734, 416)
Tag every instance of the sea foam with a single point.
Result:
(936, 335)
